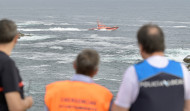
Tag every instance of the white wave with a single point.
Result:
(90, 43)
(57, 24)
(66, 57)
(75, 41)
(56, 47)
(66, 29)
(50, 16)
(34, 37)
(39, 66)
(180, 26)
(171, 22)
(40, 23)
(65, 24)
(177, 54)
(49, 24)
(91, 22)
(31, 29)
(95, 37)
(130, 58)
(30, 23)
(51, 29)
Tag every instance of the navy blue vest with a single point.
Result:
(161, 89)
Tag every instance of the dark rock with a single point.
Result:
(21, 34)
(188, 67)
(187, 59)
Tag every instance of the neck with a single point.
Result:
(6, 48)
(153, 54)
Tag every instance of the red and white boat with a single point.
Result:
(103, 27)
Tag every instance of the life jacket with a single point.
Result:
(77, 96)
(161, 89)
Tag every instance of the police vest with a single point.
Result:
(161, 89)
(77, 96)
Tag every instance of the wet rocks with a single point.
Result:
(22, 35)
(187, 60)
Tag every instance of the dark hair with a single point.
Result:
(151, 41)
(87, 61)
(8, 31)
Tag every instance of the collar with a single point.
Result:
(81, 77)
(158, 61)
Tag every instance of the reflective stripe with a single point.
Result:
(1, 89)
(20, 84)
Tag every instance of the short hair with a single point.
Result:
(151, 42)
(8, 30)
(87, 62)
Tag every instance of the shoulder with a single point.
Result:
(56, 84)
(130, 71)
(130, 75)
(54, 88)
(139, 63)
(4, 59)
(103, 91)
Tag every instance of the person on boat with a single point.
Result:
(157, 83)
(11, 86)
(80, 93)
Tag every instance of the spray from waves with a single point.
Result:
(180, 26)
(177, 54)
(66, 29)
(169, 22)
(108, 38)
(177, 26)
(52, 29)
(40, 23)
(30, 23)
(31, 30)
(34, 37)
(173, 54)
(56, 47)
(57, 24)
(60, 58)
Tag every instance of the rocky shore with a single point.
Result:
(22, 35)
(187, 60)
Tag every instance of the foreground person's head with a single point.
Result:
(151, 40)
(8, 33)
(87, 62)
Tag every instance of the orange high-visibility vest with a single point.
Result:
(77, 96)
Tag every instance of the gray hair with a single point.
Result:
(87, 61)
(8, 30)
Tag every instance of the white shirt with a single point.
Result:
(129, 88)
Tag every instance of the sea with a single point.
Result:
(58, 31)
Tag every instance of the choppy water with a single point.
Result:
(60, 32)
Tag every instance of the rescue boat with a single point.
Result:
(103, 27)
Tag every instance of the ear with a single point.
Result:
(95, 72)
(140, 48)
(15, 40)
(74, 65)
